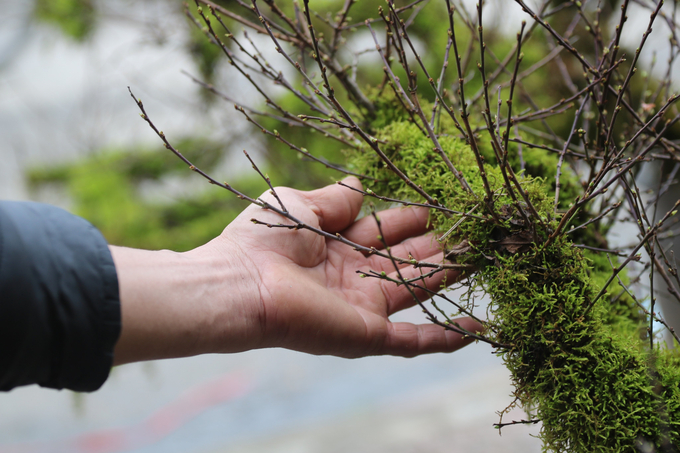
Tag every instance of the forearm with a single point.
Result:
(184, 304)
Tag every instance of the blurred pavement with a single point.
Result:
(276, 401)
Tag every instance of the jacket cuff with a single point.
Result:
(60, 309)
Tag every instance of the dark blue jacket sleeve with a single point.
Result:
(59, 300)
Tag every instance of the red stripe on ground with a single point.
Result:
(157, 426)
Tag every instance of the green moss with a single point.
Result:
(586, 373)
(588, 380)
(409, 149)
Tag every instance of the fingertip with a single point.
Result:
(411, 340)
(459, 340)
(470, 325)
(353, 181)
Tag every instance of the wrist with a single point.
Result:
(184, 304)
(227, 284)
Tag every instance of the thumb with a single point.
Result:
(336, 206)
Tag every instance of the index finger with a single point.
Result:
(397, 224)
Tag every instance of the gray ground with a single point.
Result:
(276, 401)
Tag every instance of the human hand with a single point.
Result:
(311, 298)
(256, 287)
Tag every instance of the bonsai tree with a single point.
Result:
(526, 153)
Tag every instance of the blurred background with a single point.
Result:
(70, 135)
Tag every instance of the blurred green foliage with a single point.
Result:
(105, 190)
(75, 18)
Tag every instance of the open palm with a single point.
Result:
(311, 297)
